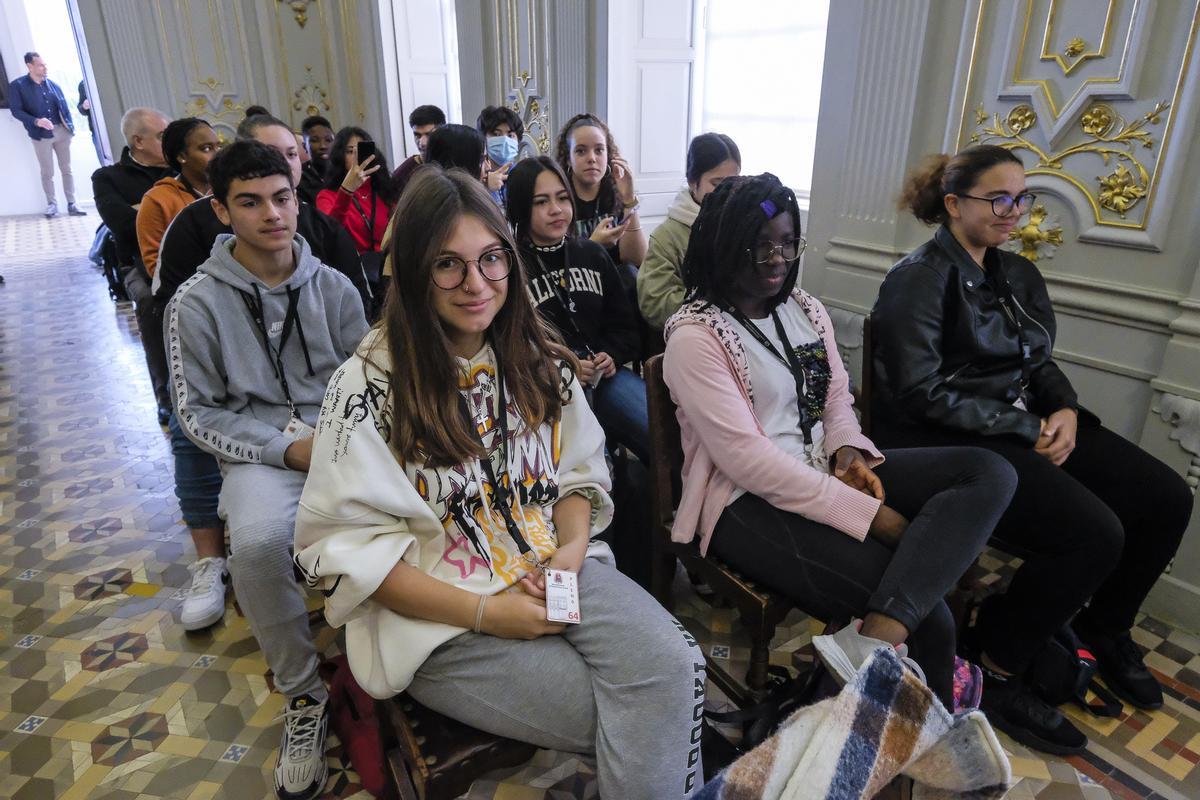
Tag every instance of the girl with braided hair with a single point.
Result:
(779, 481)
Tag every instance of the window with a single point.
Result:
(762, 68)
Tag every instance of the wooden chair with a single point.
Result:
(761, 610)
(433, 757)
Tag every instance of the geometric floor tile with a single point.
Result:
(129, 739)
(115, 651)
(103, 584)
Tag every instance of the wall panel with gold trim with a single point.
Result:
(1098, 98)
(212, 59)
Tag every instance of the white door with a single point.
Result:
(652, 54)
(422, 68)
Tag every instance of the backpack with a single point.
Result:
(103, 253)
(1064, 671)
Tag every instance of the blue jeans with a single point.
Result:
(197, 480)
(619, 403)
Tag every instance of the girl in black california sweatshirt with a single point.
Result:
(575, 286)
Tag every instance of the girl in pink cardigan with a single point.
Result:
(779, 481)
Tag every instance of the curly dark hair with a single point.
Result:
(174, 138)
(493, 116)
(726, 230)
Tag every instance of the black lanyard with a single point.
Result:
(789, 360)
(255, 306)
(500, 491)
(1004, 294)
(370, 223)
(563, 295)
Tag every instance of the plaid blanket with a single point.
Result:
(884, 723)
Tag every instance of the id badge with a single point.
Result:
(562, 596)
(296, 429)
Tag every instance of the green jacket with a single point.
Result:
(660, 278)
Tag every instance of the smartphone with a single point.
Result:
(365, 150)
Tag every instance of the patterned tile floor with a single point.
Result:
(103, 695)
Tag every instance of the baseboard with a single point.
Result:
(1175, 602)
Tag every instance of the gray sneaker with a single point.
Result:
(301, 770)
(51, 210)
(843, 653)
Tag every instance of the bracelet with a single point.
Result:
(344, 189)
(633, 203)
(638, 228)
(479, 612)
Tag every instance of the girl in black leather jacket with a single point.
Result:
(963, 338)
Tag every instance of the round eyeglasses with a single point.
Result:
(763, 252)
(449, 272)
(1003, 205)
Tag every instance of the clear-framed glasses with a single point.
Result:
(449, 272)
(1003, 205)
(763, 252)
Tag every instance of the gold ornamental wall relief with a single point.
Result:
(1103, 132)
(1098, 99)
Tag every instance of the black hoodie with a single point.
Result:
(188, 243)
(580, 273)
(117, 188)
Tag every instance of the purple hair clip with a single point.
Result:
(768, 208)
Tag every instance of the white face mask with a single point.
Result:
(502, 149)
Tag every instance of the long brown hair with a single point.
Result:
(426, 418)
(926, 187)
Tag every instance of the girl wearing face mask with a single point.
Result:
(606, 203)
(711, 158)
(456, 471)
(963, 335)
(502, 129)
(575, 286)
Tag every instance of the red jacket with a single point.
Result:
(340, 205)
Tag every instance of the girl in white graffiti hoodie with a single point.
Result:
(456, 460)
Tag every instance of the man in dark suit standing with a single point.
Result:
(38, 103)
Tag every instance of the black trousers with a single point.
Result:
(952, 497)
(1102, 526)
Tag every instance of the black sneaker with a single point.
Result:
(1120, 663)
(1012, 707)
(75, 211)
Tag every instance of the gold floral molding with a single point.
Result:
(310, 99)
(1074, 47)
(199, 107)
(532, 113)
(1107, 135)
(299, 10)
(1039, 237)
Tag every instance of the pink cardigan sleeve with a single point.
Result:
(710, 397)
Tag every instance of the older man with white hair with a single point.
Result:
(118, 189)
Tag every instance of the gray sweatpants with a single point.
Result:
(626, 684)
(60, 147)
(258, 504)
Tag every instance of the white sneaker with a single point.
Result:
(301, 770)
(845, 652)
(205, 601)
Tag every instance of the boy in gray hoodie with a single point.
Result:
(252, 340)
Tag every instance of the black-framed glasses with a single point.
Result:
(763, 252)
(449, 272)
(1003, 205)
